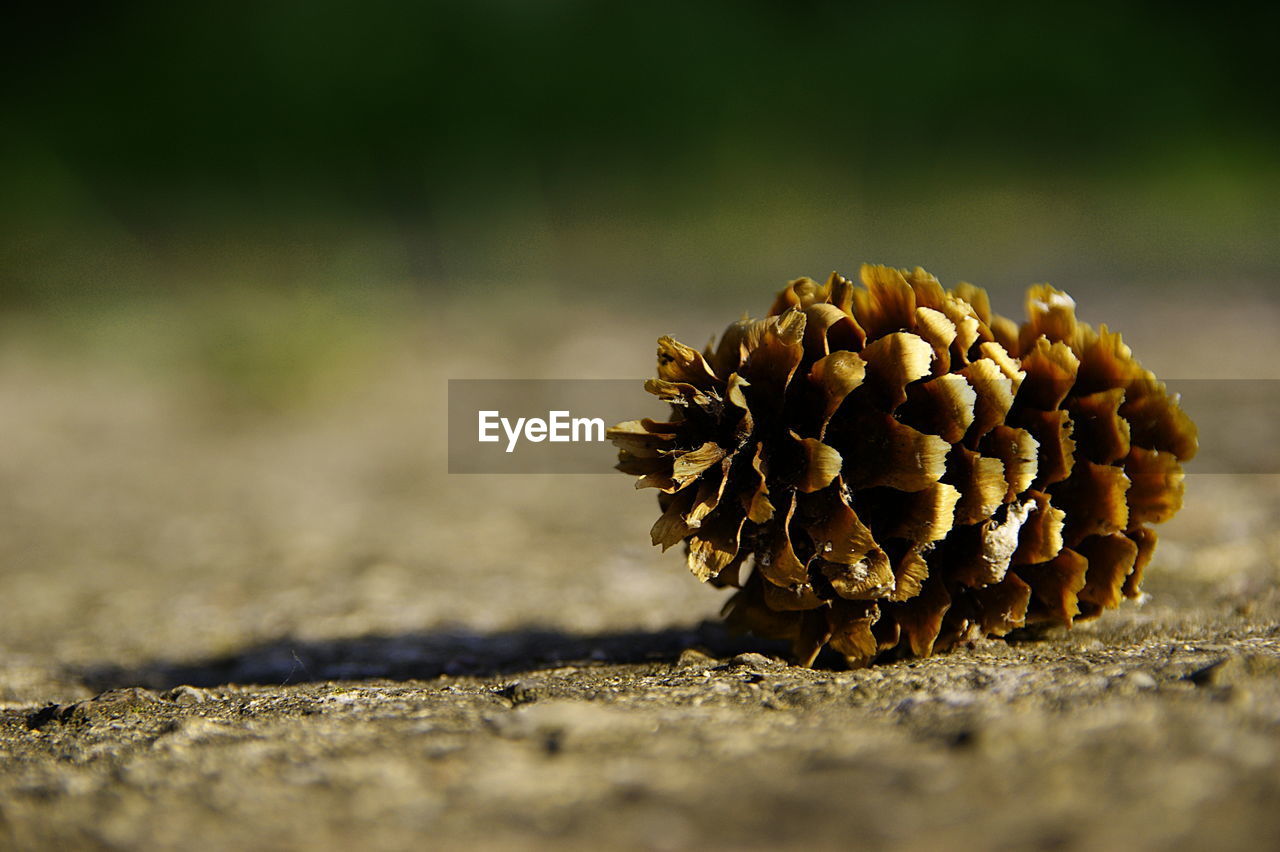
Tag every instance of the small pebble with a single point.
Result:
(1141, 679)
(757, 662)
(186, 695)
(693, 658)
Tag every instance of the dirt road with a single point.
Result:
(223, 627)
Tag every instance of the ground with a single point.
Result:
(240, 617)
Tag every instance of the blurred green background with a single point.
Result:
(329, 163)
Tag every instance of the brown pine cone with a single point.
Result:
(905, 470)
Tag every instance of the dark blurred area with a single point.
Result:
(630, 151)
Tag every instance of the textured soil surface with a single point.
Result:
(225, 628)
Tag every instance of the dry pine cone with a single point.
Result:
(905, 471)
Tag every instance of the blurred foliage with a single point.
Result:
(390, 103)
(144, 144)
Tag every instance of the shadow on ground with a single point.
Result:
(423, 656)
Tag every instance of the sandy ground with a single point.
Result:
(229, 629)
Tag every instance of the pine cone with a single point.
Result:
(906, 471)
